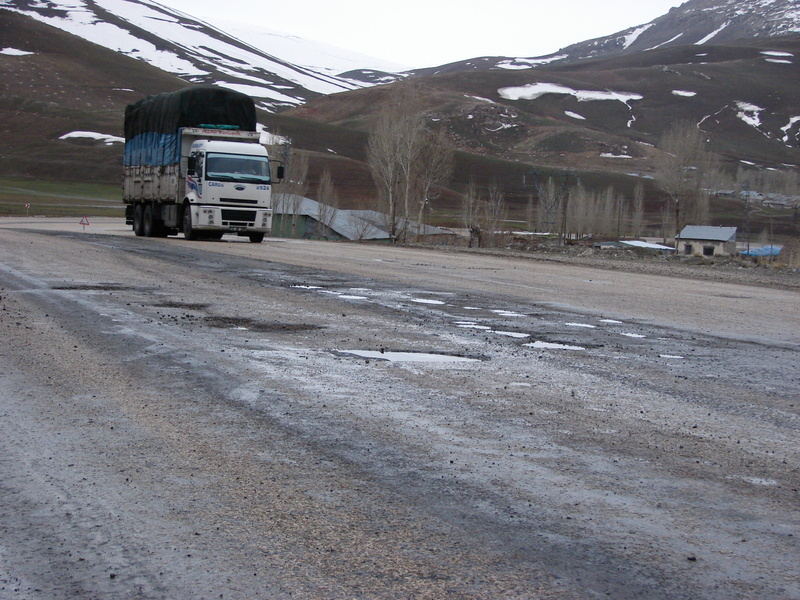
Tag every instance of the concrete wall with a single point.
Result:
(689, 247)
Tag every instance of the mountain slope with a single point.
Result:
(53, 83)
(189, 48)
(608, 113)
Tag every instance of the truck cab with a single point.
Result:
(227, 186)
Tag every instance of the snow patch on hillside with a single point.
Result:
(14, 52)
(749, 113)
(107, 139)
(528, 63)
(634, 35)
(532, 91)
(574, 115)
(788, 128)
(480, 99)
(712, 35)
(683, 93)
(669, 41)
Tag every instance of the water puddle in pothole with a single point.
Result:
(418, 357)
(507, 313)
(584, 325)
(512, 334)
(553, 346)
(426, 301)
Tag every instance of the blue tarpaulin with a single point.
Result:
(153, 149)
(763, 251)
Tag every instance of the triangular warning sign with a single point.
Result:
(85, 221)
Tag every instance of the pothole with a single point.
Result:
(92, 287)
(403, 356)
(260, 326)
(186, 305)
(553, 346)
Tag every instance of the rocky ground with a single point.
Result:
(302, 419)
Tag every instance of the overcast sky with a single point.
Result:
(420, 33)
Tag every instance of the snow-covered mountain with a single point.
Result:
(696, 22)
(278, 71)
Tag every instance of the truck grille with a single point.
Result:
(238, 201)
(238, 215)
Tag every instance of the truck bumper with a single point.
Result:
(220, 218)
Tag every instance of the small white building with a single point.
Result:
(702, 240)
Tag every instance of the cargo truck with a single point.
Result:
(193, 164)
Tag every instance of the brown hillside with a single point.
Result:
(67, 84)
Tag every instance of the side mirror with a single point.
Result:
(281, 172)
(191, 166)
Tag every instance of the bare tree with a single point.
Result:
(327, 202)
(605, 216)
(494, 214)
(360, 227)
(668, 227)
(382, 153)
(530, 213)
(637, 215)
(291, 191)
(549, 206)
(406, 161)
(470, 212)
(687, 171)
(434, 170)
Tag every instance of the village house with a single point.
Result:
(702, 240)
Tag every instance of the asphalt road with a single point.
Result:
(308, 420)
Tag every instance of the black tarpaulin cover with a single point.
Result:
(152, 124)
(190, 107)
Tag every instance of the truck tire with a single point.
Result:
(188, 232)
(149, 225)
(138, 220)
(256, 238)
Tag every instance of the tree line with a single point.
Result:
(411, 163)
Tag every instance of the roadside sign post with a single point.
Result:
(85, 222)
(27, 209)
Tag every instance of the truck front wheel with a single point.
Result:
(256, 238)
(138, 220)
(188, 231)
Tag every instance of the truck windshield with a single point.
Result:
(237, 167)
